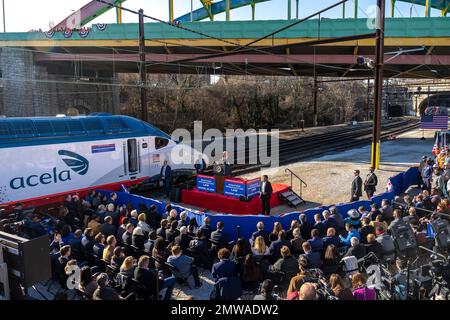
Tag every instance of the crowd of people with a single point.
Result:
(142, 252)
(127, 253)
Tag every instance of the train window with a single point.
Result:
(132, 155)
(75, 127)
(44, 128)
(23, 128)
(4, 130)
(59, 126)
(92, 125)
(161, 142)
(116, 125)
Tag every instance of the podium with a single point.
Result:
(221, 172)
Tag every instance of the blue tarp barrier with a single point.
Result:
(400, 183)
(397, 183)
(387, 195)
(410, 178)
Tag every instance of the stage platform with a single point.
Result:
(231, 205)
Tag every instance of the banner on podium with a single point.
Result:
(253, 187)
(206, 183)
(234, 188)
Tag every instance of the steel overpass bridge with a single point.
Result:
(415, 47)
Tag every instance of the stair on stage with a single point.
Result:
(291, 198)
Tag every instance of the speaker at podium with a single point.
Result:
(221, 172)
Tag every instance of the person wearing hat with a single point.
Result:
(437, 180)
(370, 183)
(356, 190)
(353, 218)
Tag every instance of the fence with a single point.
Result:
(400, 183)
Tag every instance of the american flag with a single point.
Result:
(434, 122)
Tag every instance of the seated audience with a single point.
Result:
(225, 267)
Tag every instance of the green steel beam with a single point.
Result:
(427, 8)
(432, 27)
(228, 10)
(289, 9)
(343, 10)
(356, 9)
(296, 9)
(392, 8)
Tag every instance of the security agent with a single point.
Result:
(265, 195)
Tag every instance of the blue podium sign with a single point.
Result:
(253, 187)
(206, 183)
(234, 188)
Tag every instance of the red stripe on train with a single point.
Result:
(59, 197)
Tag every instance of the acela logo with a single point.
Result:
(73, 160)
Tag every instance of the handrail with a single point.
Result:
(298, 178)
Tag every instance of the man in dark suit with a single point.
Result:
(148, 278)
(312, 257)
(225, 267)
(61, 263)
(357, 249)
(108, 228)
(219, 238)
(161, 231)
(370, 183)
(206, 228)
(265, 195)
(261, 232)
(166, 177)
(275, 246)
(356, 190)
(183, 239)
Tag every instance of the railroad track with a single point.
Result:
(305, 148)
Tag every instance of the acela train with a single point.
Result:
(44, 159)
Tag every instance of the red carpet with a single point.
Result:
(226, 204)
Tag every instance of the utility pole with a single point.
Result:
(378, 85)
(368, 99)
(4, 16)
(142, 68)
(315, 122)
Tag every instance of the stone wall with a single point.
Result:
(29, 90)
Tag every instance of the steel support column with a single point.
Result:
(355, 9)
(315, 113)
(227, 3)
(142, 68)
(392, 8)
(289, 4)
(171, 11)
(427, 8)
(378, 85)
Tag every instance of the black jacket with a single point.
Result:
(161, 232)
(108, 229)
(148, 279)
(357, 187)
(371, 182)
(219, 239)
(171, 234)
(138, 241)
(268, 189)
(183, 241)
